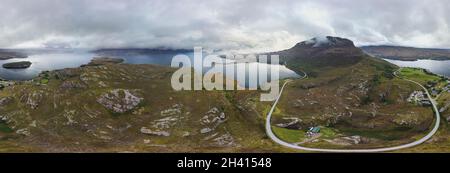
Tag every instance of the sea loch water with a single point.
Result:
(435, 66)
(70, 59)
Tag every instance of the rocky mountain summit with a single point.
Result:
(323, 42)
(321, 52)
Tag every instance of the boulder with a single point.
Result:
(291, 123)
(148, 131)
(205, 130)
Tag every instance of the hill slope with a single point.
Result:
(123, 107)
(353, 97)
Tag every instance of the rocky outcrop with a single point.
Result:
(349, 140)
(225, 140)
(17, 65)
(162, 126)
(213, 118)
(119, 100)
(147, 131)
(5, 100)
(174, 110)
(72, 85)
(291, 123)
(32, 99)
(24, 132)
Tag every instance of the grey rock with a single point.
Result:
(72, 85)
(174, 110)
(225, 140)
(5, 100)
(119, 100)
(205, 130)
(148, 131)
(32, 99)
(24, 132)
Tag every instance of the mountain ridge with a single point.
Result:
(407, 53)
(320, 52)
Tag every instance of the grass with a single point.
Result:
(327, 132)
(44, 81)
(384, 134)
(289, 135)
(418, 75)
(444, 98)
(4, 128)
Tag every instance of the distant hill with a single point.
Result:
(7, 54)
(407, 53)
(136, 51)
(321, 52)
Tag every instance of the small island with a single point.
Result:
(17, 65)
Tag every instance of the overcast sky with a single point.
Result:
(225, 24)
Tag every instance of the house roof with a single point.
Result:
(315, 129)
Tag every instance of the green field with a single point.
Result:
(289, 135)
(418, 75)
(327, 132)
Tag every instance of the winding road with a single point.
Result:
(412, 144)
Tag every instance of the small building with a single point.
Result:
(313, 131)
(425, 102)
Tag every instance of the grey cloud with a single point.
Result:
(251, 25)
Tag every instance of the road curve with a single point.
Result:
(412, 144)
